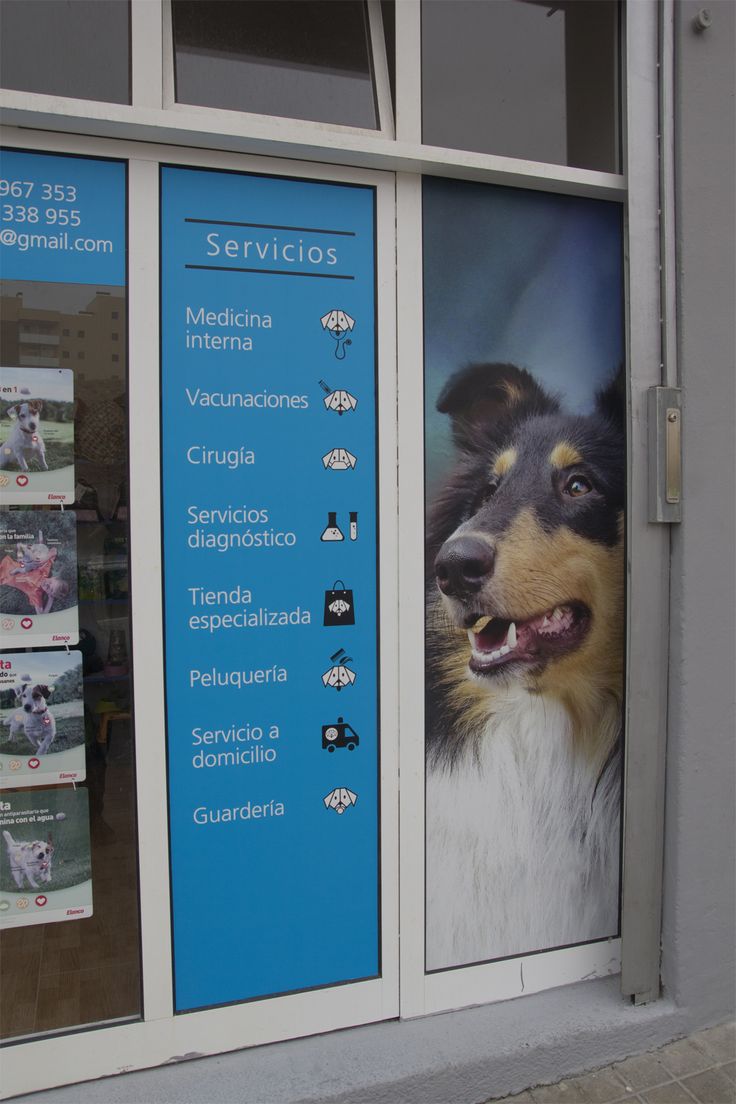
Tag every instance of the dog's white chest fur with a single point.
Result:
(522, 848)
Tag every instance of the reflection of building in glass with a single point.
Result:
(90, 341)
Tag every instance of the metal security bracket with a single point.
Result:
(664, 412)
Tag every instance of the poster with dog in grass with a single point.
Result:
(45, 857)
(36, 436)
(38, 578)
(41, 718)
(525, 617)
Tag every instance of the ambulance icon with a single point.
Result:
(339, 735)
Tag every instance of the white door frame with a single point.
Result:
(186, 137)
(161, 1035)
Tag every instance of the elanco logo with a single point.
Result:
(62, 637)
(74, 912)
(55, 497)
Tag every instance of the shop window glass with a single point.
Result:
(79, 49)
(303, 59)
(60, 975)
(388, 17)
(535, 79)
(69, 920)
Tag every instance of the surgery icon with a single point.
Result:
(339, 675)
(339, 401)
(339, 459)
(339, 326)
(340, 799)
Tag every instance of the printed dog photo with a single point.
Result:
(38, 562)
(36, 419)
(45, 859)
(29, 861)
(525, 577)
(41, 715)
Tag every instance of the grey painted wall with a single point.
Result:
(699, 966)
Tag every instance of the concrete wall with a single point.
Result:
(699, 966)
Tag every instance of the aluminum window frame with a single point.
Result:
(222, 116)
(636, 953)
(65, 1056)
(151, 130)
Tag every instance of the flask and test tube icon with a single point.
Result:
(332, 531)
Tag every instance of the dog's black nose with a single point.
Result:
(463, 565)
(27, 708)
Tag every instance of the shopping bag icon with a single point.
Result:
(339, 605)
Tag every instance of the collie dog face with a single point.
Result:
(525, 551)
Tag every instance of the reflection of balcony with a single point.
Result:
(34, 360)
(26, 336)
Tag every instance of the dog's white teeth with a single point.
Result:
(545, 623)
(504, 650)
(511, 636)
(495, 655)
(557, 614)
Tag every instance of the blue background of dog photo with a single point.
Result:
(280, 903)
(69, 254)
(527, 278)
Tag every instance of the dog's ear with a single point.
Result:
(611, 401)
(13, 411)
(36, 406)
(485, 395)
(42, 690)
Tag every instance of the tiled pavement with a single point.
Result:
(701, 1068)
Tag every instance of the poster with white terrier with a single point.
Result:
(36, 436)
(45, 857)
(41, 718)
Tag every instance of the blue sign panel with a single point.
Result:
(62, 219)
(270, 539)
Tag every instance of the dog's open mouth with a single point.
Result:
(497, 642)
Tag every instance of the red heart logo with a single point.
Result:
(34, 763)
(41, 900)
(21, 480)
(26, 623)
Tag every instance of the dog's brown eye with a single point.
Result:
(577, 486)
